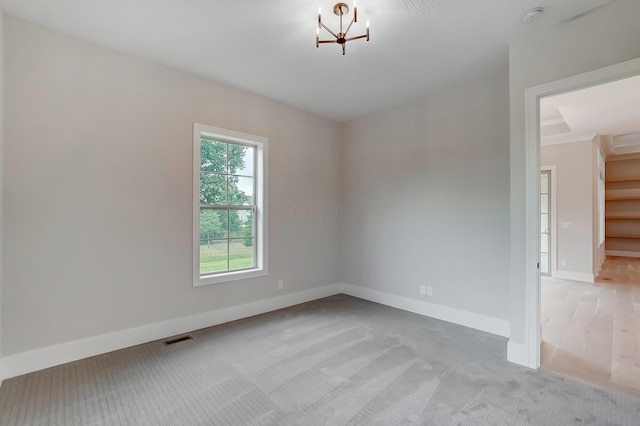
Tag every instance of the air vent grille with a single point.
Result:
(177, 340)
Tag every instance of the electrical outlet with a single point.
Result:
(563, 263)
(429, 291)
(280, 285)
(423, 290)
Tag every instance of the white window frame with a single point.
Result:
(260, 216)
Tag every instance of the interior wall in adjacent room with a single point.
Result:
(574, 195)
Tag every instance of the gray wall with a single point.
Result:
(427, 190)
(98, 150)
(608, 36)
(574, 195)
(1, 175)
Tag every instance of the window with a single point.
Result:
(229, 191)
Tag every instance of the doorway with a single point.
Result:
(532, 184)
(587, 329)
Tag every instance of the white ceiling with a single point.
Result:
(608, 109)
(611, 109)
(268, 48)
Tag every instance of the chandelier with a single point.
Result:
(340, 9)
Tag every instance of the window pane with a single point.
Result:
(544, 223)
(241, 160)
(213, 156)
(544, 183)
(214, 256)
(544, 263)
(213, 189)
(240, 223)
(241, 253)
(544, 243)
(213, 224)
(240, 191)
(544, 203)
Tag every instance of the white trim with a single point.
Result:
(532, 182)
(630, 139)
(623, 157)
(3, 371)
(552, 122)
(38, 359)
(567, 138)
(260, 175)
(553, 221)
(621, 253)
(468, 319)
(518, 354)
(575, 276)
(532, 224)
(627, 150)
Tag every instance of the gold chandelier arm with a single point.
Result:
(349, 27)
(327, 41)
(327, 28)
(358, 37)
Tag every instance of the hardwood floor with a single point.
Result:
(591, 332)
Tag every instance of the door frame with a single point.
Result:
(532, 186)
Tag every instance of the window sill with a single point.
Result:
(200, 281)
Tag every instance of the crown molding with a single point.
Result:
(552, 122)
(630, 139)
(567, 138)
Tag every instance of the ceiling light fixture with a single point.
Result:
(340, 9)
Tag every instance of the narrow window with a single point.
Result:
(229, 193)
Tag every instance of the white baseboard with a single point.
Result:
(2, 371)
(468, 319)
(517, 353)
(575, 276)
(38, 359)
(622, 253)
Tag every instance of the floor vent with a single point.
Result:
(606, 279)
(177, 340)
